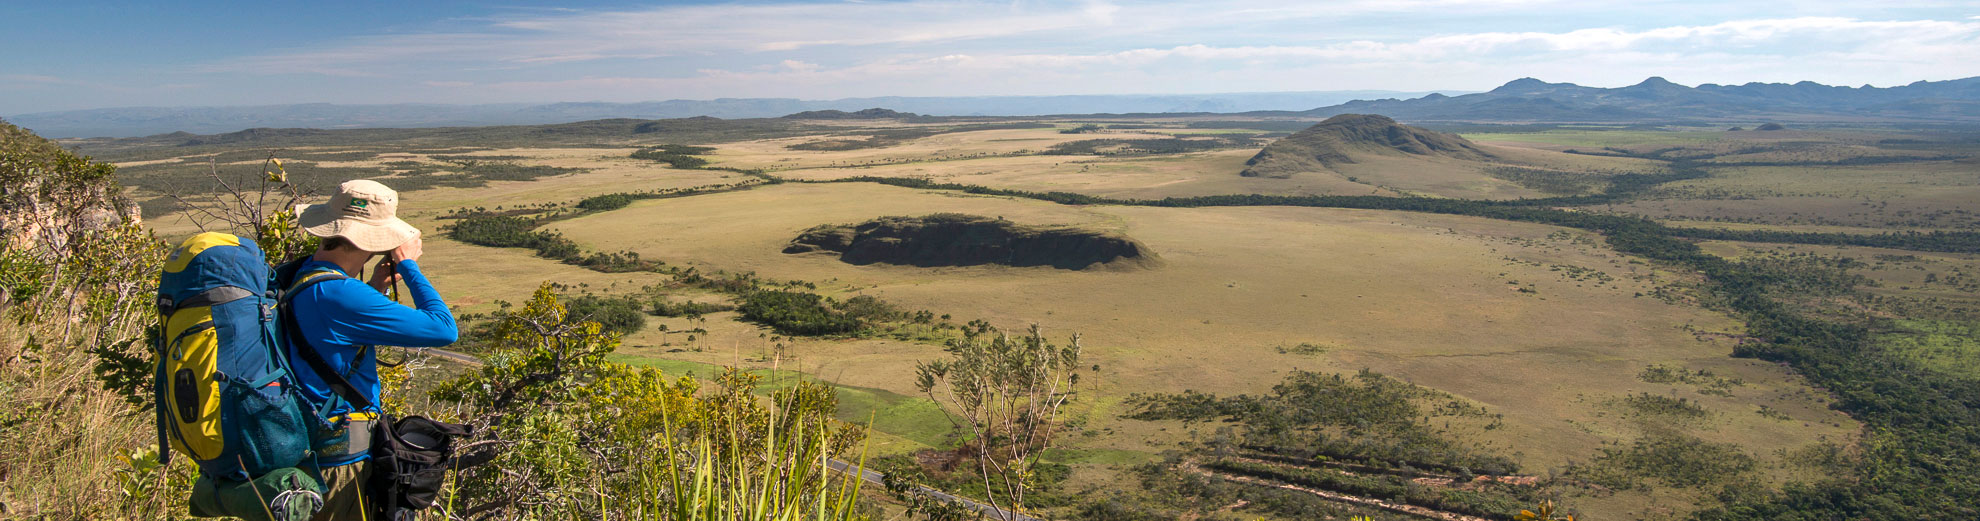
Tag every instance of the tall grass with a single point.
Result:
(784, 477)
(75, 443)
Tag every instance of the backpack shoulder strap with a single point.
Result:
(337, 383)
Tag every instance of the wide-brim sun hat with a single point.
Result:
(364, 212)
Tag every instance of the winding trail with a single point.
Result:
(1190, 466)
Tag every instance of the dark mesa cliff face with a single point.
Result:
(967, 240)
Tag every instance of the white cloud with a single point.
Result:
(1738, 51)
(702, 30)
(927, 47)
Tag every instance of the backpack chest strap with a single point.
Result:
(338, 384)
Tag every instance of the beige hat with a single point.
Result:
(363, 212)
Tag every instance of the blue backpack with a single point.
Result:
(225, 393)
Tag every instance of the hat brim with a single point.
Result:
(369, 235)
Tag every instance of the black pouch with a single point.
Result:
(409, 462)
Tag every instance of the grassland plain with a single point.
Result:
(1148, 177)
(1929, 194)
(595, 171)
(1431, 299)
(1536, 322)
(1598, 138)
(776, 154)
(1000, 158)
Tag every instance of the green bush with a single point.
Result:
(797, 313)
(21, 275)
(868, 309)
(677, 156)
(1367, 418)
(666, 308)
(1665, 407)
(1675, 460)
(605, 202)
(619, 315)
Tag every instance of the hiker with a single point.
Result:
(343, 321)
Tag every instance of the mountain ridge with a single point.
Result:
(144, 121)
(1655, 98)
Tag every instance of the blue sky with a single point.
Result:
(77, 54)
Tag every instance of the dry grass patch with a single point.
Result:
(774, 154)
(1429, 299)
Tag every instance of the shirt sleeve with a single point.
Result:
(360, 315)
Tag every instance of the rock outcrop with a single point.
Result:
(49, 196)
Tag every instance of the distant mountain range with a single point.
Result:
(143, 121)
(1523, 100)
(1531, 100)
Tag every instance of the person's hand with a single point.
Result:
(410, 251)
(384, 275)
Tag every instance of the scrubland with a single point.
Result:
(1567, 345)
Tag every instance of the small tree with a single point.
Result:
(1006, 392)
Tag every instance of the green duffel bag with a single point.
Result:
(280, 495)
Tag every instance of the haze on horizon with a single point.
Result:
(81, 55)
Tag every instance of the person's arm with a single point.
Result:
(360, 315)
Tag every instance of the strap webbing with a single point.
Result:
(212, 297)
(337, 382)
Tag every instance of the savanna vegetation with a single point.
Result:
(1845, 323)
(877, 138)
(677, 156)
(1141, 147)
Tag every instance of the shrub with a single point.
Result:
(514, 232)
(573, 436)
(1665, 407)
(677, 156)
(867, 309)
(796, 313)
(1675, 460)
(605, 202)
(667, 308)
(619, 315)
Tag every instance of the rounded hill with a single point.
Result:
(1352, 138)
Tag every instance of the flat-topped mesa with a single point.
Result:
(949, 239)
(1345, 138)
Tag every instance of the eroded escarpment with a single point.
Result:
(950, 239)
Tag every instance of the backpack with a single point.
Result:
(224, 392)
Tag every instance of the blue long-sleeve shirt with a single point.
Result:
(339, 317)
